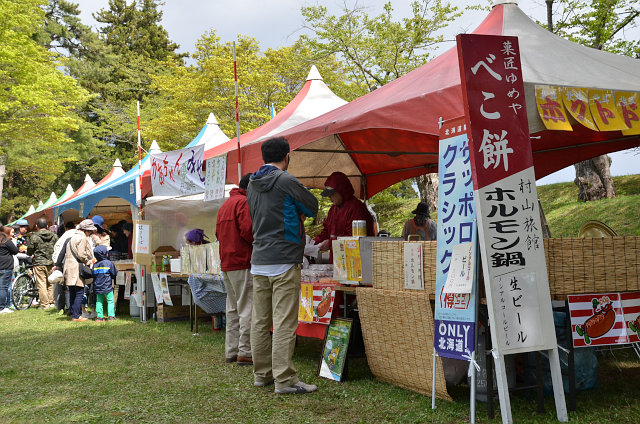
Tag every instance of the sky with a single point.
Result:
(277, 23)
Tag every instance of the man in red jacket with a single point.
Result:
(346, 209)
(233, 230)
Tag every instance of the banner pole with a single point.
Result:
(235, 77)
(142, 283)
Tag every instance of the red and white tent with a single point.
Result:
(314, 99)
(391, 133)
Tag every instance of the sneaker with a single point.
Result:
(244, 360)
(298, 388)
(80, 319)
(257, 383)
(100, 319)
(112, 318)
(6, 311)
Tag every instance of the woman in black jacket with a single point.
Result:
(7, 250)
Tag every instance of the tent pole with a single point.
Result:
(235, 77)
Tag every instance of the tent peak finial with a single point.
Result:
(117, 164)
(314, 74)
(87, 178)
(498, 2)
(155, 148)
(211, 120)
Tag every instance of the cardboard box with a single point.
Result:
(177, 312)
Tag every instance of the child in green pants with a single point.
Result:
(104, 272)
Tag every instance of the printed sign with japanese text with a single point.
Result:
(505, 194)
(215, 178)
(178, 173)
(413, 273)
(461, 269)
(455, 313)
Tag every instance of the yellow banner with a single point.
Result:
(305, 312)
(576, 100)
(604, 111)
(551, 109)
(627, 103)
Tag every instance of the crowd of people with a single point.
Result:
(262, 240)
(74, 257)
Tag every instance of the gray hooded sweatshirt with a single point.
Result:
(276, 202)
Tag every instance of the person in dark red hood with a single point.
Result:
(234, 233)
(346, 209)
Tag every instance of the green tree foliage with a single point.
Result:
(133, 45)
(188, 94)
(601, 24)
(377, 50)
(38, 106)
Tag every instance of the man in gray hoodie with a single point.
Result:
(278, 205)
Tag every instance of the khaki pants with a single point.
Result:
(275, 304)
(239, 285)
(45, 288)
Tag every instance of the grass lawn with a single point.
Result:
(54, 370)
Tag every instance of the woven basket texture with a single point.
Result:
(574, 265)
(400, 345)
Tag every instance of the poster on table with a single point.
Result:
(339, 260)
(215, 176)
(505, 194)
(157, 289)
(178, 172)
(352, 258)
(413, 270)
(164, 288)
(334, 350)
(127, 285)
(597, 320)
(455, 313)
(316, 303)
(142, 242)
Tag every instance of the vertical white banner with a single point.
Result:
(215, 177)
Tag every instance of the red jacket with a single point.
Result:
(339, 218)
(233, 231)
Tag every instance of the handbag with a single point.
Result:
(84, 271)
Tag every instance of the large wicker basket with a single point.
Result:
(574, 265)
(398, 331)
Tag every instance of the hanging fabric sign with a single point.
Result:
(627, 104)
(604, 111)
(455, 312)
(178, 173)
(551, 108)
(576, 100)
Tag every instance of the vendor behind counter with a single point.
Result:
(346, 209)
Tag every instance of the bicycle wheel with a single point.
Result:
(21, 294)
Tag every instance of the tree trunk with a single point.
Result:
(428, 190)
(593, 178)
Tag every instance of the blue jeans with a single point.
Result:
(75, 294)
(5, 282)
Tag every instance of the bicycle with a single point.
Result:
(23, 289)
